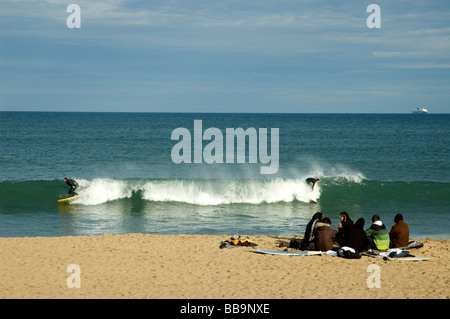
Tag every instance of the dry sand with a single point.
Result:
(193, 266)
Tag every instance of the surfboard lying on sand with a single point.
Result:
(400, 258)
(67, 199)
(287, 253)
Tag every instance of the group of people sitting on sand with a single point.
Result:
(320, 236)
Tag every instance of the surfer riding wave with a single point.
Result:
(312, 181)
(73, 185)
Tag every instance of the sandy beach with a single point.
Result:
(193, 267)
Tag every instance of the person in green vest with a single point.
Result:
(377, 235)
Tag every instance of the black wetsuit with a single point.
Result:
(73, 185)
(311, 181)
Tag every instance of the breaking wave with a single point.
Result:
(205, 192)
(196, 191)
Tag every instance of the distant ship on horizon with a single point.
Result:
(420, 111)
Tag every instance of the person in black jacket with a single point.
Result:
(73, 185)
(344, 229)
(357, 238)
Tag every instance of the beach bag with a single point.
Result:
(296, 243)
(237, 240)
(348, 252)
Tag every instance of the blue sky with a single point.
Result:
(291, 56)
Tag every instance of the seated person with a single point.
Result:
(344, 228)
(357, 238)
(324, 235)
(309, 231)
(377, 234)
(399, 234)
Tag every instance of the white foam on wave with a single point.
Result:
(197, 191)
(335, 172)
(102, 190)
(215, 192)
(218, 191)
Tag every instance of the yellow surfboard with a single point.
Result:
(67, 199)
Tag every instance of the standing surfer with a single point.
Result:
(73, 185)
(312, 181)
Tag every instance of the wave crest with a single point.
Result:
(197, 191)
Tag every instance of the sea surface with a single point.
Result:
(129, 182)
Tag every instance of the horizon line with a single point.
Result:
(193, 112)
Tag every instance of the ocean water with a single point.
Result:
(129, 183)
